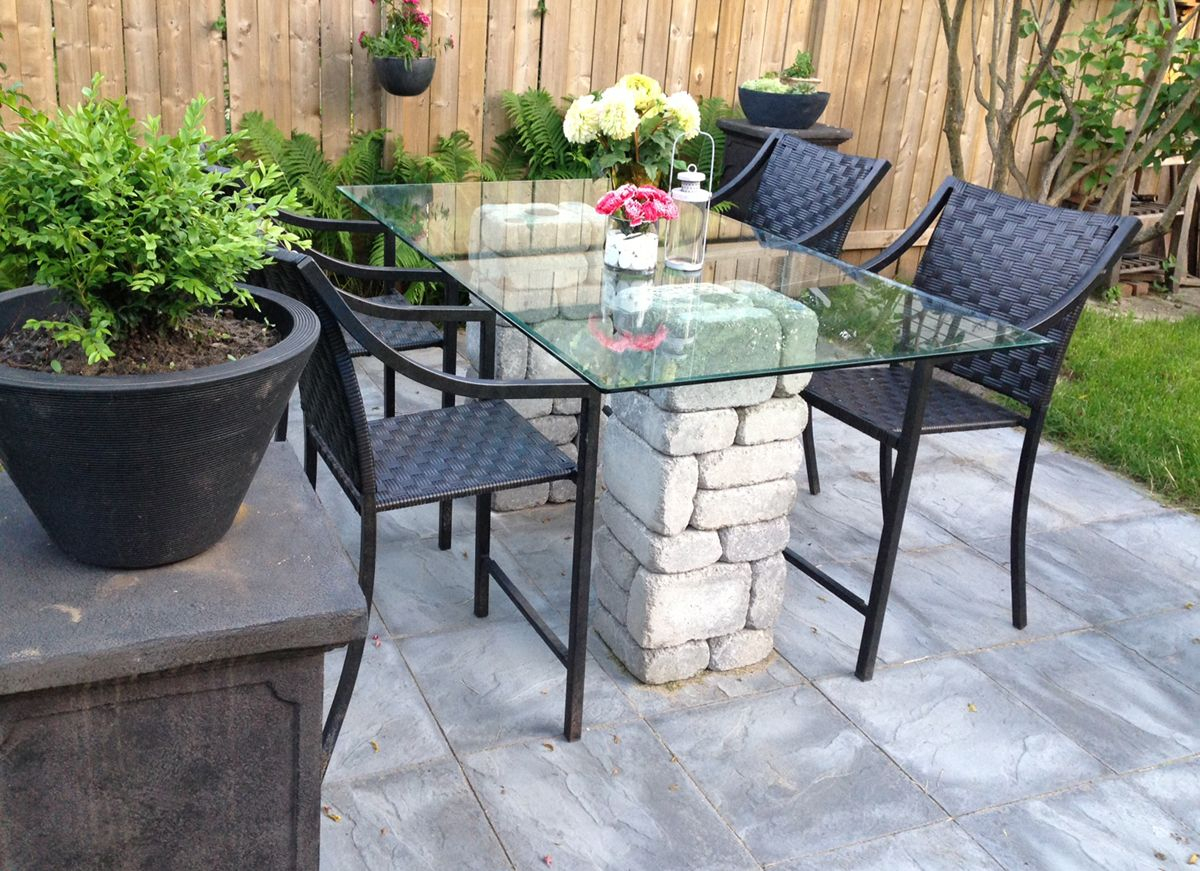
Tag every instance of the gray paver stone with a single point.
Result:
(790, 385)
(737, 505)
(531, 409)
(665, 610)
(675, 433)
(771, 421)
(754, 541)
(666, 554)
(722, 394)
(739, 465)
(657, 666)
(558, 428)
(568, 406)
(767, 585)
(739, 649)
(512, 350)
(609, 593)
(542, 364)
(521, 498)
(655, 488)
(615, 558)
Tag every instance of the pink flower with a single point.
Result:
(623, 341)
(422, 17)
(416, 43)
(362, 38)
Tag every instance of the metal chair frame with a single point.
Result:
(347, 311)
(839, 183)
(388, 275)
(1056, 320)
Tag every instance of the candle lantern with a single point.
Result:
(688, 234)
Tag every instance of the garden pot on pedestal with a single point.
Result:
(133, 471)
(786, 111)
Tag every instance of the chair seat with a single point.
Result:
(463, 450)
(872, 399)
(397, 335)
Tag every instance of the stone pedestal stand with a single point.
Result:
(689, 568)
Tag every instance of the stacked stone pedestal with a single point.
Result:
(689, 568)
(502, 235)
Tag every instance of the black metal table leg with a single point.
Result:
(449, 365)
(581, 564)
(897, 501)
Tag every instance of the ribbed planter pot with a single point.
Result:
(788, 111)
(133, 471)
(404, 77)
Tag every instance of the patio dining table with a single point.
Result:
(701, 375)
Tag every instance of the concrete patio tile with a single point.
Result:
(1083, 490)
(497, 683)
(959, 735)
(1168, 541)
(996, 449)
(1171, 641)
(972, 503)
(844, 522)
(819, 634)
(705, 688)
(940, 847)
(791, 774)
(613, 800)
(420, 589)
(387, 709)
(418, 819)
(1102, 825)
(1091, 575)
(541, 541)
(1105, 697)
(1175, 788)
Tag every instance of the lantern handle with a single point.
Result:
(712, 160)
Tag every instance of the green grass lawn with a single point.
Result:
(1129, 397)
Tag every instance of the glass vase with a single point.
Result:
(631, 249)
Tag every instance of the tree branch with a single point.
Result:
(1163, 224)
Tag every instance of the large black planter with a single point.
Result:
(132, 471)
(404, 77)
(789, 111)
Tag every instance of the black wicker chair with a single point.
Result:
(1022, 262)
(807, 194)
(475, 449)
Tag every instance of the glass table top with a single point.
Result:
(533, 251)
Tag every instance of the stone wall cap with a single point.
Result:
(279, 580)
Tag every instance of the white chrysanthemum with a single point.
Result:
(617, 111)
(582, 121)
(684, 110)
(646, 91)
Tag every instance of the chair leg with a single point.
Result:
(885, 472)
(449, 365)
(483, 543)
(354, 650)
(389, 392)
(281, 427)
(1020, 514)
(893, 522)
(581, 563)
(310, 459)
(810, 456)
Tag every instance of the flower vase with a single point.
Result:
(631, 249)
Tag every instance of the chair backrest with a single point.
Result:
(355, 241)
(1017, 260)
(805, 185)
(333, 408)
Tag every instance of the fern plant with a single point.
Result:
(535, 147)
(315, 180)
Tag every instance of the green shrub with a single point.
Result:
(125, 222)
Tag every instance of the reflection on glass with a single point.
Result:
(759, 306)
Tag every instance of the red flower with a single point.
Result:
(623, 341)
(416, 43)
(362, 36)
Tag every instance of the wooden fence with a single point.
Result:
(298, 61)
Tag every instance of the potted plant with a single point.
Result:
(631, 243)
(403, 54)
(788, 99)
(139, 383)
(627, 131)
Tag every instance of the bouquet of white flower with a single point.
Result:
(627, 131)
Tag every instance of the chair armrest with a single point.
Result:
(906, 239)
(459, 385)
(1126, 228)
(756, 163)
(435, 313)
(332, 225)
(383, 274)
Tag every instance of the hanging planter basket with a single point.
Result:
(405, 77)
